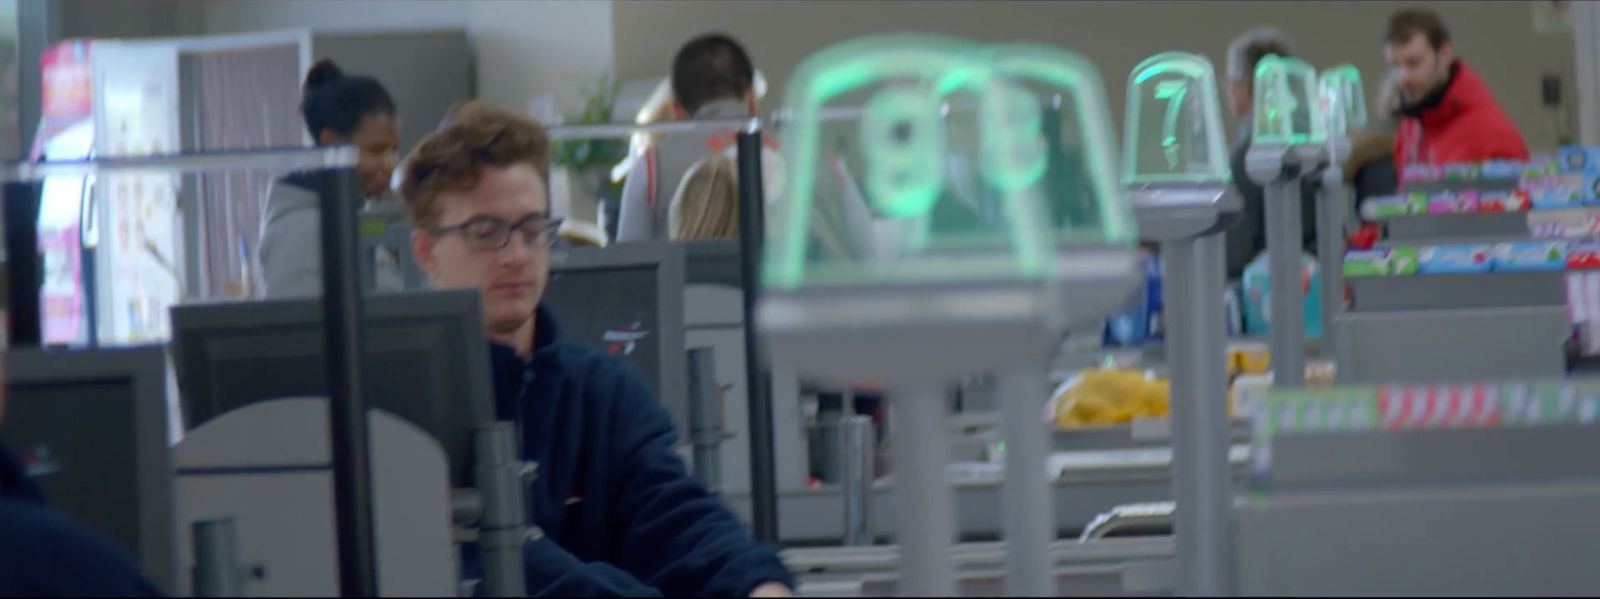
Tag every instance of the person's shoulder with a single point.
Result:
(594, 368)
(42, 552)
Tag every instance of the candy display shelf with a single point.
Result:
(1466, 474)
(1469, 280)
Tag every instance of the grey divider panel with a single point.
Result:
(1105, 568)
(426, 350)
(1444, 291)
(1523, 539)
(1451, 345)
(1423, 227)
(93, 425)
(266, 465)
(627, 301)
(1373, 459)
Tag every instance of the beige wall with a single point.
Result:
(1496, 37)
(522, 47)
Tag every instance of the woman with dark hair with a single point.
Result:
(338, 109)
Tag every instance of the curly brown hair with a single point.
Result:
(475, 136)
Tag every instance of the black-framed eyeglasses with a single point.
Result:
(488, 233)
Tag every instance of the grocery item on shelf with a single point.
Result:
(1583, 255)
(1568, 223)
(1104, 397)
(1258, 317)
(1140, 321)
(1523, 256)
(1230, 304)
(1563, 190)
(1578, 159)
(1453, 202)
(1457, 258)
(1381, 262)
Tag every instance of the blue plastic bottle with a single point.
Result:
(1257, 302)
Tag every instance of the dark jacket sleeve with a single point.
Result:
(552, 572)
(44, 555)
(677, 536)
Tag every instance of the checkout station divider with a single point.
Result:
(1038, 260)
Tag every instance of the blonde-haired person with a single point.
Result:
(706, 205)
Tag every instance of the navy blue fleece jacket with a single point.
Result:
(44, 555)
(620, 513)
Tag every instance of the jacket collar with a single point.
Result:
(1462, 92)
(546, 335)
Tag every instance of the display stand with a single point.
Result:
(1288, 144)
(1346, 113)
(1175, 168)
(1475, 489)
(887, 312)
(1423, 322)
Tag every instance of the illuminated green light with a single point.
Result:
(905, 154)
(1288, 108)
(1344, 100)
(1174, 123)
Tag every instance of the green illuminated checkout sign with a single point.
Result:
(908, 137)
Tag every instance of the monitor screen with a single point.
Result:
(426, 361)
(90, 429)
(613, 309)
(627, 301)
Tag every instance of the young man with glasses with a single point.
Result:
(617, 511)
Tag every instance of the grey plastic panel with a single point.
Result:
(1528, 539)
(1489, 225)
(1381, 458)
(1443, 291)
(1452, 345)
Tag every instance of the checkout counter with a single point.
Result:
(1342, 490)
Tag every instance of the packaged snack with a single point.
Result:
(1591, 187)
(1461, 172)
(1564, 223)
(1380, 262)
(1555, 191)
(1542, 165)
(1494, 201)
(1417, 173)
(1577, 159)
(1502, 169)
(1583, 255)
(1530, 256)
(1459, 258)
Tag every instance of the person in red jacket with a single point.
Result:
(1448, 114)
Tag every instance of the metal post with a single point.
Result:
(1335, 200)
(347, 407)
(1287, 337)
(925, 518)
(217, 571)
(752, 223)
(24, 271)
(1201, 479)
(1028, 509)
(502, 528)
(856, 474)
(705, 417)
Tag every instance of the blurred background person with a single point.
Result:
(712, 78)
(1449, 115)
(338, 110)
(1246, 236)
(707, 203)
